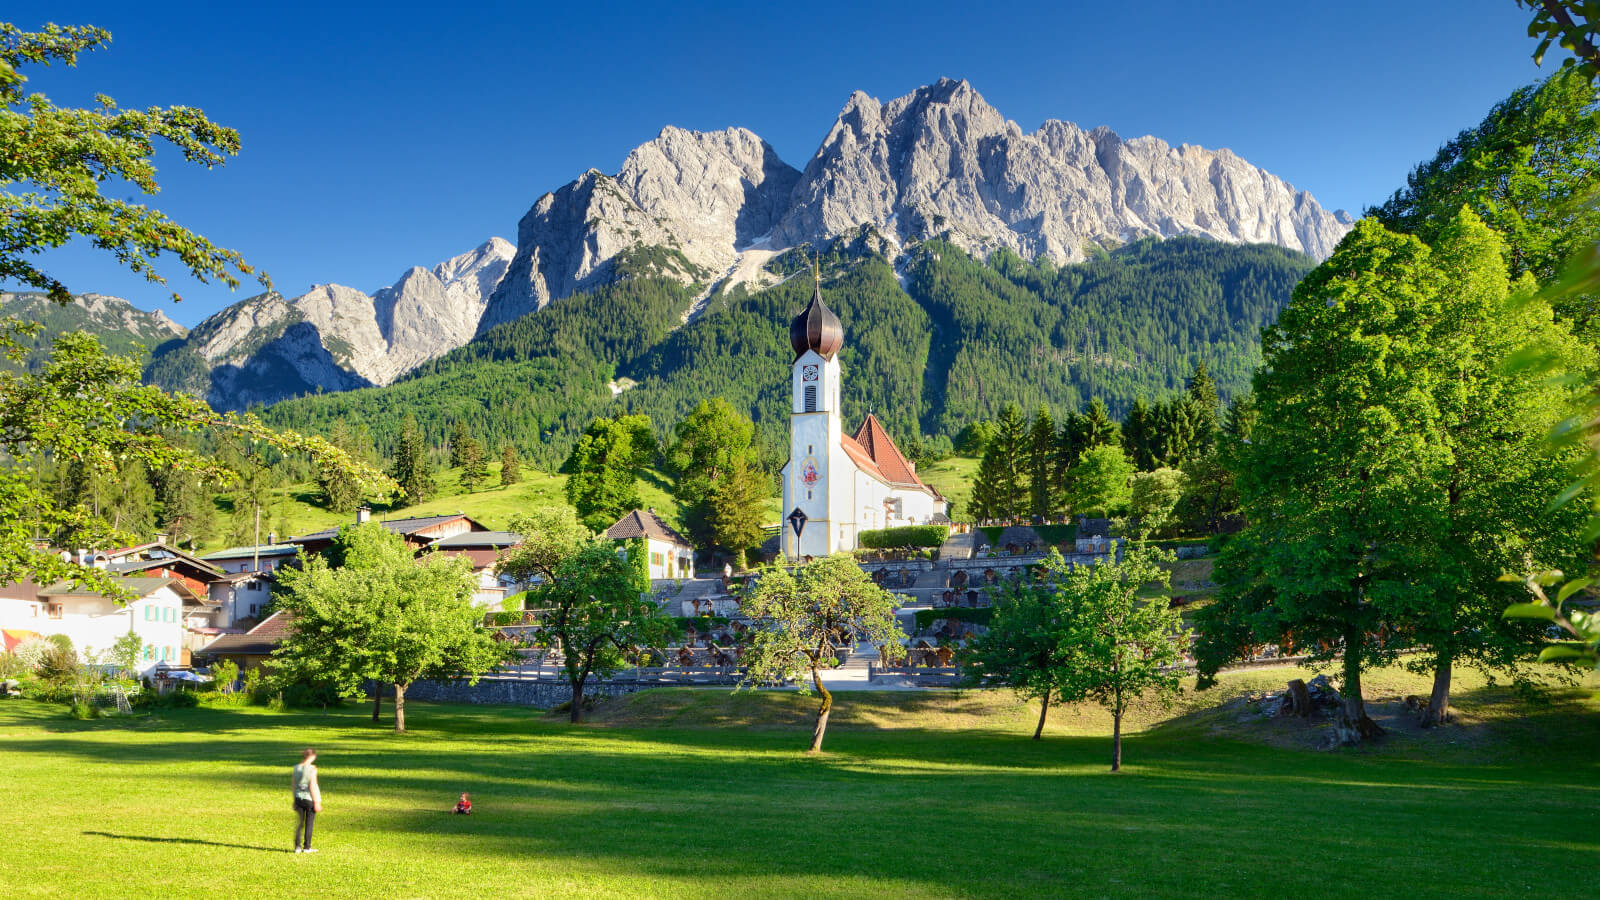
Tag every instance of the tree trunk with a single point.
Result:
(1353, 726)
(1299, 699)
(399, 707)
(377, 699)
(1116, 738)
(577, 699)
(1438, 709)
(739, 561)
(1044, 706)
(822, 713)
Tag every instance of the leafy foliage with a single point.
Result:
(804, 620)
(595, 611)
(381, 614)
(905, 536)
(60, 158)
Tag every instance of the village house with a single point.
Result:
(164, 612)
(252, 648)
(670, 553)
(484, 549)
(245, 588)
(419, 532)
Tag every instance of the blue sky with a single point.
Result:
(381, 136)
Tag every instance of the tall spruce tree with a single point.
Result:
(510, 466)
(1138, 436)
(412, 471)
(459, 436)
(1044, 491)
(474, 465)
(999, 492)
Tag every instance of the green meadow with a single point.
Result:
(699, 793)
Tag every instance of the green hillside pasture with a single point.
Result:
(698, 794)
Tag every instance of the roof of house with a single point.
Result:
(874, 451)
(258, 641)
(141, 587)
(145, 556)
(249, 552)
(645, 523)
(478, 539)
(129, 567)
(407, 526)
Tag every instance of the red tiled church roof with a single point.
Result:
(875, 452)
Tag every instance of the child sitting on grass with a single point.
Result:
(464, 806)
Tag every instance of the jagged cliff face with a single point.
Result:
(336, 338)
(121, 327)
(698, 196)
(943, 161)
(939, 162)
(713, 208)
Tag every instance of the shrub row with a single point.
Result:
(976, 615)
(905, 536)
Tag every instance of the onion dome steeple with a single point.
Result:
(816, 328)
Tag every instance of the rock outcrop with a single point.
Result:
(334, 338)
(938, 162)
(942, 161)
(693, 198)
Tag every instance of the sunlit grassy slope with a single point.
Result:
(298, 505)
(492, 505)
(698, 794)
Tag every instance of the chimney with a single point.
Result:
(363, 514)
(161, 537)
(272, 538)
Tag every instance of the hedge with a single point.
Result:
(905, 536)
(976, 615)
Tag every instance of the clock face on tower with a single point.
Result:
(808, 373)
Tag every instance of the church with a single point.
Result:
(837, 485)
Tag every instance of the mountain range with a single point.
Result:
(715, 211)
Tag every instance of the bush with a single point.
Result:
(223, 675)
(178, 699)
(31, 652)
(59, 664)
(48, 692)
(11, 666)
(906, 536)
(976, 615)
(82, 709)
(62, 641)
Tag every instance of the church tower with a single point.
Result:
(817, 480)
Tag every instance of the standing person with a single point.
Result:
(307, 799)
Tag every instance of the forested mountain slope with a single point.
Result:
(950, 340)
(121, 327)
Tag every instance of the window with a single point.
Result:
(655, 559)
(811, 398)
(148, 651)
(149, 613)
(255, 608)
(54, 610)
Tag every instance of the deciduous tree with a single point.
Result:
(603, 469)
(594, 610)
(1119, 647)
(805, 619)
(377, 612)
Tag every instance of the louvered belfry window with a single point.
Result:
(811, 398)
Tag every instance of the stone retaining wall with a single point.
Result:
(539, 694)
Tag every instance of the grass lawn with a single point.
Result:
(695, 794)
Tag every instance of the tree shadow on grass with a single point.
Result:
(152, 839)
